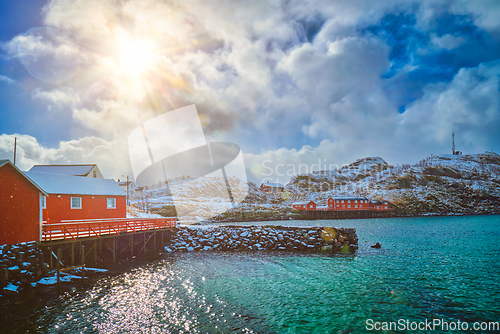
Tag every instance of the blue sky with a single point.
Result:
(290, 82)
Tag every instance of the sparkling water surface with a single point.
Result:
(428, 267)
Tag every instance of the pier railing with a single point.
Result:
(74, 229)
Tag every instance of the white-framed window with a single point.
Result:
(356, 201)
(111, 203)
(348, 201)
(44, 202)
(76, 202)
(356, 206)
(386, 207)
(342, 201)
(378, 207)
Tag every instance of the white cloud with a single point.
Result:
(110, 156)
(64, 97)
(7, 80)
(255, 60)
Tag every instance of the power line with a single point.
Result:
(32, 155)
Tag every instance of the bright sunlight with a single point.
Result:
(134, 57)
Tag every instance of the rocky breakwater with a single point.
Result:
(20, 265)
(254, 238)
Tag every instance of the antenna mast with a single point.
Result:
(453, 139)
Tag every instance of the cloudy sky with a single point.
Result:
(290, 82)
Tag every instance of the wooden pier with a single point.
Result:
(76, 243)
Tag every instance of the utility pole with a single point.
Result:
(127, 190)
(15, 148)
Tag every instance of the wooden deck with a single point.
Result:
(77, 229)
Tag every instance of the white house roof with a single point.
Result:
(76, 170)
(75, 185)
(348, 198)
(299, 203)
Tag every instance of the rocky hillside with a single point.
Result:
(445, 184)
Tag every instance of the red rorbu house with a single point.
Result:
(380, 206)
(349, 203)
(303, 206)
(21, 202)
(28, 198)
(356, 203)
(272, 187)
(74, 197)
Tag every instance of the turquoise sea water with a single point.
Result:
(428, 268)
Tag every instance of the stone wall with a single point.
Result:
(226, 238)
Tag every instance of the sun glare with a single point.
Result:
(135, 57)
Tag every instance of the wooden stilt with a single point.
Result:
(58, 265)
(83, 261)
(131, 244)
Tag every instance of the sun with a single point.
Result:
(134, 57)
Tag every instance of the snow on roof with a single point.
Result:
(75, 185)
(76, 170)
(348, 198)
(299, 203)
(3, 162)
(273, 185)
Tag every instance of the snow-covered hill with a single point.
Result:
(445, 184)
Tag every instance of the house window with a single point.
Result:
(111, 203)
(378, 207)
(356, 206)
(355, 201)
(44, 202)
(342, 201)
(386, 207)
(348, 201)
(349, 206)
(76, 202)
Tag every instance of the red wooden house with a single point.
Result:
(27, 199)
(21, 202)
(380, 206)
(304, 206)
(349, 203)
(270, 187)
(74, 197)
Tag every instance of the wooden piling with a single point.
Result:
(83, 261)
(58, 265)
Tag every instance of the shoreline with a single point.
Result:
(270, 219)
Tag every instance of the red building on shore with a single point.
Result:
(29, 198)
(74, 197)
(344, 204)
(270, 187)
(20, 206)
(303, 206)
